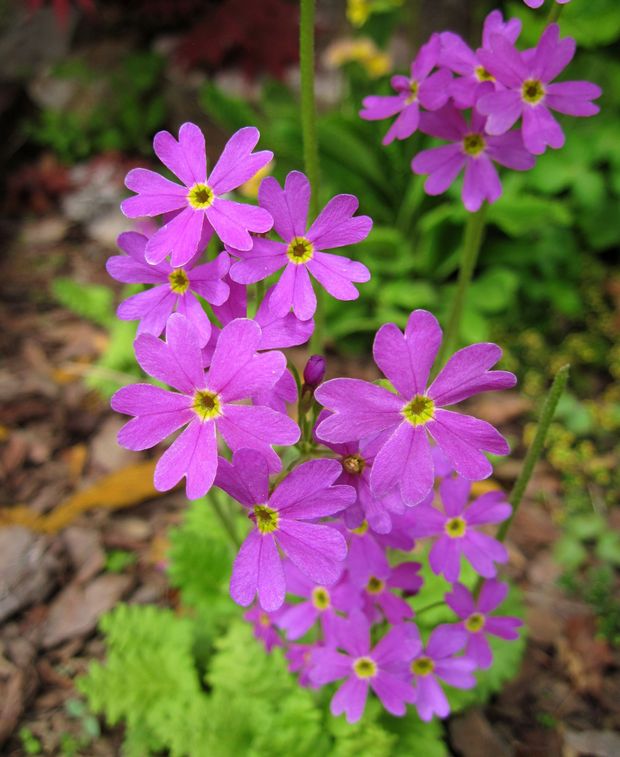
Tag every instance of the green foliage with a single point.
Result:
(128, 111)
(30, 743)
(91, 301)
(178, 682)
(149, 681)
(118, 560)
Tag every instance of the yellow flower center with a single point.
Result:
(200, 196)
(375, 585)
(475, 622)
(419, 411)
(473, 144)
(354, 464)
(483, 75)
(263, 620)
(365, 667)
(423, 666)
(207, 405)
(266, 519)
(300, 250)
(360, 530)
(320, 598)
(414, 88)
(532, 91)
(455, 528)
(179, 281)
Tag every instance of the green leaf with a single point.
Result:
(91, 301)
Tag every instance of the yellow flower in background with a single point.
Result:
(250, 188)
(361, 50)
(359, 11)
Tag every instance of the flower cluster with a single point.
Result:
(339, 501)
(491, 105)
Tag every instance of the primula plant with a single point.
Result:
(358, 506)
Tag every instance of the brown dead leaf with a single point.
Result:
(472, 736)
(85, 552)
(28, 569)
(584, 654)
(125, 488)
(76, 610)
(591, 743)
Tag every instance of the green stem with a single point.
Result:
(554, 13)
(432, 606)
(226, 521)
(536, 448)
(310, 142)
(472, 240)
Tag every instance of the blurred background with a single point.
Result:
(84, 85)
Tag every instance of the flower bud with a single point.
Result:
(314, 372)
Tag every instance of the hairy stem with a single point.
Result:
(474, 233)
(310, 141)
(536, 448)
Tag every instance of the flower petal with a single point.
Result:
(237, 164)
(186, 158)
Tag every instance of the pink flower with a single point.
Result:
(302, 251)
(477, 622)
(462, 60)
(529, 92)
(378, 668)
(457, 529)
(421, 88)
(199, 199)
(437, 662)
(321, 603)
(474, 150)
(264, 626)
(539, 3)
(175, 288)
(284, 520)
(204, 403)
(361, 409)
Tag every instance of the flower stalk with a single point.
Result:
(536, 448)
(310, 139)
(474, 233)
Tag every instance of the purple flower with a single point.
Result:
(529, 92)
(199, 198)
(357, 459)
(379, 668)
(421, 88)
(437, 661)
(456, 528)
(476, 621)
(362, 409)
(321, 604)
(473, 149)
(314, 371)
(539, 3)
(276, 333)
(461, 59)
(302, 251)
(264, 625)
(203, 402)
(284, 520)
(365, 556)
(175, 288)
(299, 658)
(381, 602)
